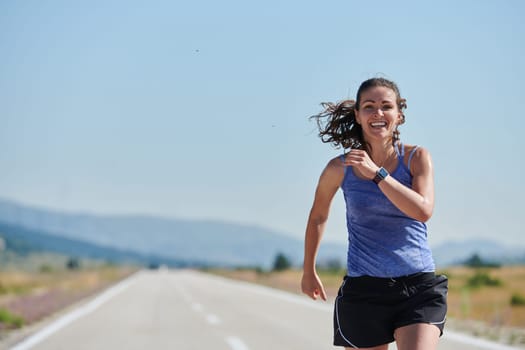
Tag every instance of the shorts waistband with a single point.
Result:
(378, 282)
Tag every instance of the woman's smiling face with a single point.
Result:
(378, 112)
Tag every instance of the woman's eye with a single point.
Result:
(388, 107)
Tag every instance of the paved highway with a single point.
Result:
(189, 310)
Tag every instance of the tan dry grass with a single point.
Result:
(487, 303)
(34, 295)
(23, 282)
(18, 283)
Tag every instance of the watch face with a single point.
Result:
(380, 175)
(382, 172)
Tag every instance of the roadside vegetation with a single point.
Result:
(35, 286)
(10, 321)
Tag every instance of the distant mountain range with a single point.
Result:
(175, 242)
(22, 241)
(142, 238)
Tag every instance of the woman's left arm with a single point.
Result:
(418, 201)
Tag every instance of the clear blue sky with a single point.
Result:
(198, 109)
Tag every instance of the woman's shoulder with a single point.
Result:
(337, 162)
(335, 169)
(416, 156)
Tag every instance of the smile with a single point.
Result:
(378, 124)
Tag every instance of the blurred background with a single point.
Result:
(177, 133)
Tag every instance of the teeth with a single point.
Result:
(378, 124)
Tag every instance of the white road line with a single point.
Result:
(213, 319)
(74, 315)
(236, 343)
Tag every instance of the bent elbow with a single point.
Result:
(424, 210)
(424, 214)
(424, 217)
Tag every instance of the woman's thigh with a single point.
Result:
(419, 336)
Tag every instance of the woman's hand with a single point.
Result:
(311, 285)
(361, 160)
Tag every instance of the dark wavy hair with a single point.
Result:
(337, 124)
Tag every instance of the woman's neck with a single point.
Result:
(381, 152)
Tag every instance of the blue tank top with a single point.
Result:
(382, 240)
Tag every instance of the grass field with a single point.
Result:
(490, 302)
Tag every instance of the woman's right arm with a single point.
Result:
(328, 185)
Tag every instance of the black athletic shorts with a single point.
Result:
(369, 309)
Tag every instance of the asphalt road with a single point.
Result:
(190, 310)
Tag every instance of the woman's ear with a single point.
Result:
(400, 118)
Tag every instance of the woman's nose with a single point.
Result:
(379, 111)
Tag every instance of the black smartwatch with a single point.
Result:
(381, 174)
